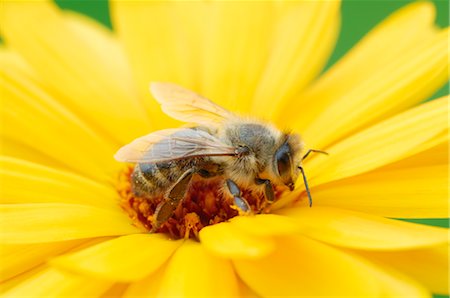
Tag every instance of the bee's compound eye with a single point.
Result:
(283, 160)
(283, 164)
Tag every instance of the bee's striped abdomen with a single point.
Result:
(155, 179)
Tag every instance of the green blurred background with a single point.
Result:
(358, 17)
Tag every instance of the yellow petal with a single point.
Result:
(433, 156)
(227, 240)
(116, 291)
(49, 127)
(405, 29)
(301, 267)
(395, 284)
(127, 258)
(396, 85)
(420, 192)
(245, 291)
(48, 222)
(265, 225)
(193, 272)
(80, 62)
(15, 148)
(234, 54)
(30, 272)
(54, 283)
(389, 141)
(14, 281)
(20, 258)
(410, 80)
(362, 231)
(440, 139)
(428, 266)
(26, 182)
(148, 287)
(160, 39)
(302, 42)
(222, 59)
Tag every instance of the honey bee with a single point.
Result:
(244, 152)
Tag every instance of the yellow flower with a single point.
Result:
(73, 93)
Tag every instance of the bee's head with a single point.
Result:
(286, 160)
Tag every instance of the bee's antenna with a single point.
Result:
(306, 185)
(313, 150)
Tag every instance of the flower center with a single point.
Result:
(204, 204)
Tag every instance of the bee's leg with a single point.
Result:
(239, 201)
(268, 189)
(173, 197)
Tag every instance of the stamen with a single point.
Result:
(204, 205)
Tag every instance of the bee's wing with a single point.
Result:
(185, 105)
(173, 144)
